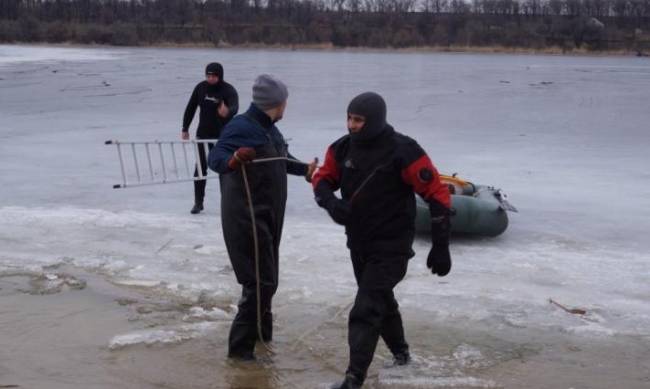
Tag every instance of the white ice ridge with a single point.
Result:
(68, 215)
(10, 54)
(214, 314)
(168, 336)
(439, 382)
(469, 357)
(501, 283)
(138, 283)
(436, 372)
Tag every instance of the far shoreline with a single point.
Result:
(328, 47)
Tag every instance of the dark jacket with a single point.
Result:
(251, 129)
(208, 97)
(378, 179)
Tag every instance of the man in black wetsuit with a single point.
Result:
(218, 102)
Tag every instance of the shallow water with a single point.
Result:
(565, 137)
(166, 343)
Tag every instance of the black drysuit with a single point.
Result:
(377, 171)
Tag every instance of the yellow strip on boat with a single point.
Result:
(453, 180)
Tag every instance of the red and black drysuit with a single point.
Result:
(378, 170)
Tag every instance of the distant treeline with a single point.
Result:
(527, 24)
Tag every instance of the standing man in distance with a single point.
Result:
(218, 102)
(249, 136)
(377, 170)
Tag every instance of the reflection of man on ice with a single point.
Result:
(253, 135)
(377, 170)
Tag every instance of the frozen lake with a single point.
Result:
(565, 137)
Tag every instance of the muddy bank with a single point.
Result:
(66, 328)
(54, 335)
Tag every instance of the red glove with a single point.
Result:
(241, 156)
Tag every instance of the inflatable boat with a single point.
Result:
(476, 209)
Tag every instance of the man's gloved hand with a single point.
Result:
(439, 259)
(339, 210)
(242, 156)
(311, 169)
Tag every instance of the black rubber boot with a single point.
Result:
(242, 357)
(198, 207)
(267, 327)
(402, 358)
(350, 382)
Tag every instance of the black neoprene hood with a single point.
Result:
(372, 107)
(216, 69)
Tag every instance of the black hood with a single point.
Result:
(215, 68)
(373, 107)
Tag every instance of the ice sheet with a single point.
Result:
(565, 137)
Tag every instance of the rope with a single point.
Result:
(256, 241)
(258, 289)
(257, 259)
(301, 338)
(262, 160)
(311, 331)
(256, 245)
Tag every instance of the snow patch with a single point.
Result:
(20, 54)
(439, 382)
(168, 336)
(138, 283)
(67, 215)
(435, 372)
(214, 314)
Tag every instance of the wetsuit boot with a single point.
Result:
(199, 186)
(350, 382)
(199, 194)
(402, 358)
(198, 207)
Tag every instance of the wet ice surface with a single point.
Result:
(565, 137)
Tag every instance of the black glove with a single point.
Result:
(439, 259)
(339, 210)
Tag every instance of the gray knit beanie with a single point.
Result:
(269, 92)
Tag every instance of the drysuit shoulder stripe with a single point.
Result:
(425, 180)
(329, 171)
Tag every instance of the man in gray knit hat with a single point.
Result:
(269, 92)
(253, 135)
